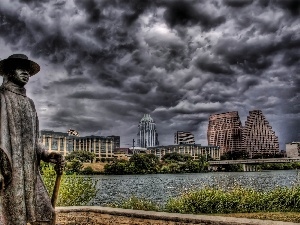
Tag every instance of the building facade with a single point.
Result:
(258, 136)
(102, 147)
(195, 150)
(225, 131)
(147, 135)
(64, 143)
(57, 141)
(292, 150)
(183, 137)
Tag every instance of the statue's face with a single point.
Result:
(20, 76)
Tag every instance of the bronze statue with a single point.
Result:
(23, 196)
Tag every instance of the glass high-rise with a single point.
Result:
(147, 135)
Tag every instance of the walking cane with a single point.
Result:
(59, 173)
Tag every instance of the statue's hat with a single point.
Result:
(18, 61)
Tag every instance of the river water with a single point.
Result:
(160, 187)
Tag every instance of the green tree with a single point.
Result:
(117, 167)
(87, 171)
(192, 167)
(144, 163)
(83, 156)
(74, 166)
(174, 168)
(235, 155)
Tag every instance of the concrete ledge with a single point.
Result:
(92, 215)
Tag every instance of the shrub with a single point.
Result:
(87, 171)
(74, 189)
(137, 204)
(74, 166)
(213, 200)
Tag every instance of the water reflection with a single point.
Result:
(160, 187)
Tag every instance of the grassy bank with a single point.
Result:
(236, 200)
(281, 203)
(98, 167)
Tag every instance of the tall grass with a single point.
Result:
(231, 200)
(225, 197)
(236, 200)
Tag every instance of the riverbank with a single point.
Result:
(98, 167)
(105, 215)
(119, 168)
(160, 187)
(277, 216)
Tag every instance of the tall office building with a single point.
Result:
(183, 137)
(147, 135)
(258, 136)
(225, 131)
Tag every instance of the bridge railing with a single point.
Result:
(254, 161)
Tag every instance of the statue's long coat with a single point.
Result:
(24, 198)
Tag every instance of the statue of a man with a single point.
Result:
(23, 196)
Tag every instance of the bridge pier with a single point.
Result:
(249, 167)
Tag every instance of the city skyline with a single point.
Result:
(106, 63)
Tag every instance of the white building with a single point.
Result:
(292, 150)
(194, 150)
(147, 135)
(64, 143)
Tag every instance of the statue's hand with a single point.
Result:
(58, 160)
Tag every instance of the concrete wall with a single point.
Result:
(92, 215)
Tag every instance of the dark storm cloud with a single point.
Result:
(12, 28)
(92, 10)
(184, 13)
(293, 6)
(91, 95)
(79, 122)
(291, 58)
(108, 62)
(238, 3)
(248, 82)
(137, 8)
(71, 82)
(252, 58)
(138, 87)
(213, 66)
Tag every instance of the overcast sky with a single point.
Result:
(105, 63)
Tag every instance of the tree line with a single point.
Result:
(149, 163)
(170, 163)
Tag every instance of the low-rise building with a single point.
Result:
(103, 147)
(136, 150)
(195, 150)
(122, 153)
(56, 141)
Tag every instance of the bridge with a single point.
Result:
(251, 164)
